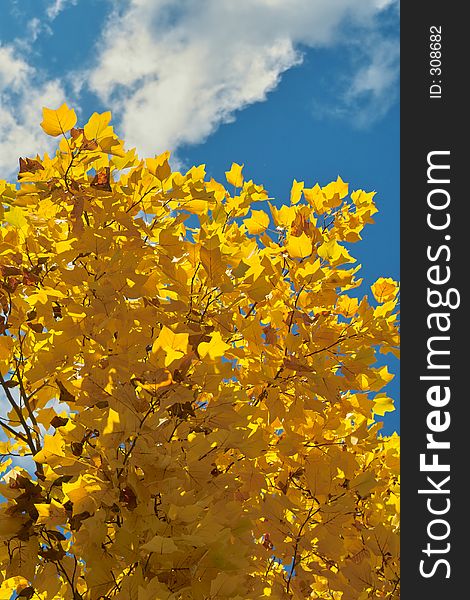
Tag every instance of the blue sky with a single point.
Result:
(304, 89)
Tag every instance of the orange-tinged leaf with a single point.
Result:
(6, 347)
(384, 289)
(29, 165)
(101, 181)
(347, 306)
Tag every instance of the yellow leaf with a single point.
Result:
(40, 296)
(6, 346)
(175, 345)
(197, 173)
(347, 306)
(384, 289)
(159, 166)
(260, 289)
(363, 199)
(111, 145)
(10, 526)
(153, 590)
(111, 421)
(53, 452)
(334, 253)
(316, 198)
(97, 126)
(335, 191)
(257, 223)
(160, 545)
(234, 176)
(225, 585)
(364, 483)
(299, 247)
(296, 191)
(56, 122)
(16, 218)
(215, 348)
(169, 339)
(383, 404)
(43, 295)
(63, 246)
(318, 474)
(52, 514)
(284, 216)
(123, 162)
(310, 272)
(196, 207)
(82, 493)
(211, 259)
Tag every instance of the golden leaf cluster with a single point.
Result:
(193, 381)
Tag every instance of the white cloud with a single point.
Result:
(374, 86)
(23, 93)
(173, 70)
(371, 86)
(57, 6)
(13, 71)
(35, 28)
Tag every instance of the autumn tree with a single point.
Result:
(190, 384)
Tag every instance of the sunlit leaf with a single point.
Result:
(57, 122)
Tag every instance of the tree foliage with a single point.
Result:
(194, 381)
